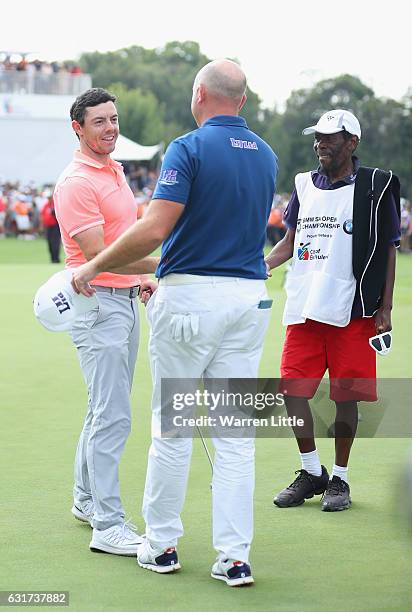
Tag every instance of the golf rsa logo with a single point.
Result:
(304, 254)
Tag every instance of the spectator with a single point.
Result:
(406, 225)
(20, 209)
(3, 208)
(51, 226)
(275, 228)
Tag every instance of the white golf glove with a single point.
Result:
(184, 327)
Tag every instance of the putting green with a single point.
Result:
(302, 559)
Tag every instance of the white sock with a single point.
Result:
(310, 463)
(340, 471)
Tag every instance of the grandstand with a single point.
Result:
(37, 141)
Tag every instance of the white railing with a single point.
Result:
(58, 83)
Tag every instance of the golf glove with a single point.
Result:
(184, 326)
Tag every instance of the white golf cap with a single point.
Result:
(57, 305)
(335, 121)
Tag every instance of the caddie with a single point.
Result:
(343, 229)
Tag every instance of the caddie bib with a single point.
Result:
(320, 284)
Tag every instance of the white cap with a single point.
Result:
(335, 121)
(57, 305)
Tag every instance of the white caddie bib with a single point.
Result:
(320, 284)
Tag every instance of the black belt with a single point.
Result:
(130, 292)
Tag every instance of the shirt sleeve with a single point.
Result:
(290, 216)
(78, 206)
(176, 174)
(395, 235)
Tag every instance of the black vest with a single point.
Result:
(372, 224)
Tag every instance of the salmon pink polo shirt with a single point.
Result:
(88, 194)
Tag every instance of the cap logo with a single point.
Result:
(61, 303)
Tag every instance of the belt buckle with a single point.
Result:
(134, 292)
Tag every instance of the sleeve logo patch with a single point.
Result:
(243, 144)
(168, 177)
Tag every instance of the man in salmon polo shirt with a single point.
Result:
(94, 206)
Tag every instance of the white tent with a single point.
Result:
(37, 141)
(127, 150)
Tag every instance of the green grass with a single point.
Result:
(302, 559)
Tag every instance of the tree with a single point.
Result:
(167, 73)
(386, 127)
(155, 88)
(141, 117)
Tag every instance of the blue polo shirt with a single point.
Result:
(225, 176)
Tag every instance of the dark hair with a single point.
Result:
(347, 135)
(91, 97)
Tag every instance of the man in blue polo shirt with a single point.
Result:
(210, 313)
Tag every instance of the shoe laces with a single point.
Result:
(119, 533)
(335, 487)
(303, 475)
(87, 507)
(129, 529)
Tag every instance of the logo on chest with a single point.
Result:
(303, 253)
(348, 226)
(306, 254)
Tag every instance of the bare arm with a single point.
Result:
(282, 251)
(383, 321)
(136, 243)
(91, 243)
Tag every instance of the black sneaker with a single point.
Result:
(336, 496)
(303, 487)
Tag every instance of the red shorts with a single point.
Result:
(311, 348)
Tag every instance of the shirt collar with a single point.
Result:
(89, 161)
(234, 120)
(348, 180)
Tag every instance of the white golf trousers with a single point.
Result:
(223, 340)
(106, 339)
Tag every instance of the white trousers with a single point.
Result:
(226, 341)
(106, 339)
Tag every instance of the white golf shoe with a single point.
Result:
(157, 559)
(234, 573)
(83, 510)
(116, 540)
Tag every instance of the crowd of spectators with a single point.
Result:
(22, 64)
(21, 209)
(19, 74)
(25, 209)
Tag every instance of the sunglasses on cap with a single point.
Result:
(381, 343)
